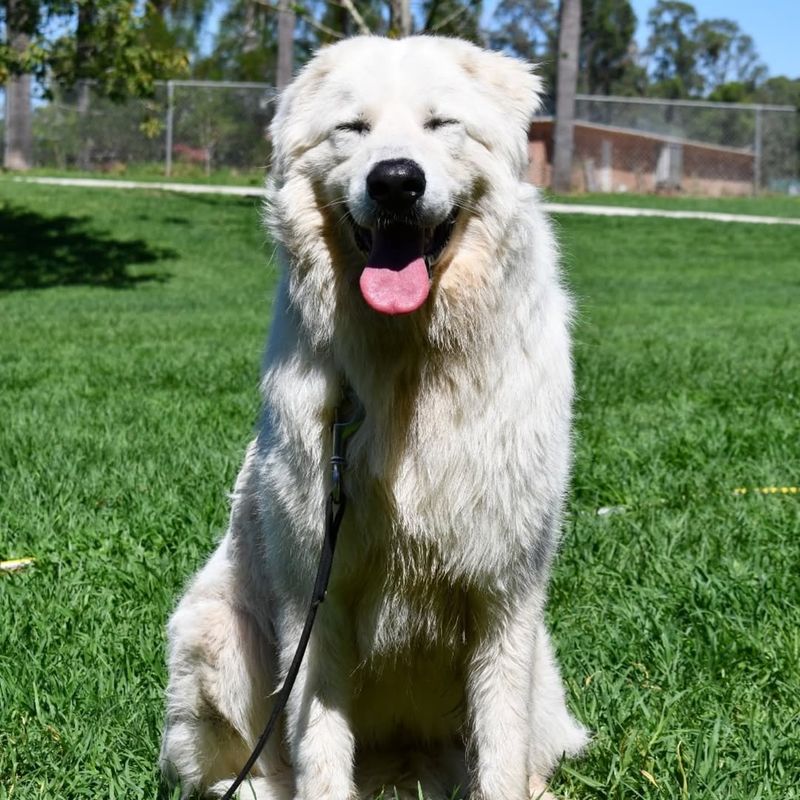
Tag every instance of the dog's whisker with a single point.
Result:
(339, 201)
(465, 205)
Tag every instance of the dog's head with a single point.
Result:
(396, 168)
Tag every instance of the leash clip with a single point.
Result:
(342, 431)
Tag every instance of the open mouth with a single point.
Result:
(400, 262)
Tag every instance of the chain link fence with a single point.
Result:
(621, 144)
(196, 127)
(644, 145)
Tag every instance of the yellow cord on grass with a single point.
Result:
(767, 490)
(16, 563)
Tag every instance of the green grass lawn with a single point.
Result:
(131, 328)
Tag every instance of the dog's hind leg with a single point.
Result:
(219, 687)
(222, 666)
(221, 669)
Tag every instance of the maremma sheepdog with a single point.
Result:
(420, 276)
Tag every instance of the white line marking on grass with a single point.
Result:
(188, 188)
(626, 211)
(553, 208)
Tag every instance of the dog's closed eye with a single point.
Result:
(354, 126)
(434, 123)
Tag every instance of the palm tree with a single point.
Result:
(400, 17)
(569, 34)
(286, 23)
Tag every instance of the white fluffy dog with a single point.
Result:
(418, 271)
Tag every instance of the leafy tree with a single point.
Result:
(245, 48)
(327, 21)
(726, 55)
(730, 92)
(633, 80)
(119, 45)
(179, 23)
(247, 43)
(321, 22)
(608, 54)
(452, 18)
(780, 91)
(116, 44)
(690, 57)
(528, 29)
(672, 49)
(607, 28)
(21, 19)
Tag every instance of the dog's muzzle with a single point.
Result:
(401, 249)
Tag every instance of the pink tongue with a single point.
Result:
(395, 280)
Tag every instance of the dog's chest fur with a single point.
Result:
(409, 616)
(402, 594)
(431, 531)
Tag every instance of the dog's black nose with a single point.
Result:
(396, 184)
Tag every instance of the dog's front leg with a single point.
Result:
(318, 729)
(498, 694)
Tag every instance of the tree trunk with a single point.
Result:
(86, 144)
(85, 51)
(569, 35)
(18, 153)
(286, 20)
(400, 17)
(249, 31)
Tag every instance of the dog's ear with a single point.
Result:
(277, 135)
(510, 80)
(290, 130)
(280, 128)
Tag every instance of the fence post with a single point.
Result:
(170, 114)
(758, 146)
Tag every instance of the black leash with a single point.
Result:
(334, 513)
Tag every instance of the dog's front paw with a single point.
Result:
(326, 793)
(325, 785)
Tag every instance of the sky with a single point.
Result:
(773, 24)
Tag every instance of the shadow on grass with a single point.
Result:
(167, 792)
(38, 252)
